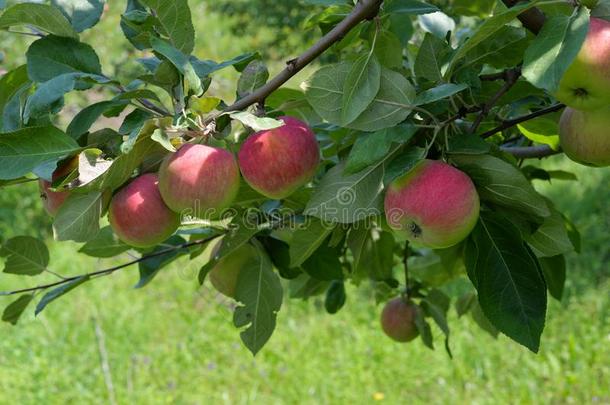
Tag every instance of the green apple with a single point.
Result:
(585, 136)
(586, 83)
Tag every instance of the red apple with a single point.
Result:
(138, 214)
(398, 320)
(585, 136)
(433, 205)
(225, 273)
(53, 200)
(278, 161)
(586, 83)
(199, 180)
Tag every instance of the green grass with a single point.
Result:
(173, 342)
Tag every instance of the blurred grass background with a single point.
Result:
(173, 342)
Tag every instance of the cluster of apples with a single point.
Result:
(584, 128)
(200, 181)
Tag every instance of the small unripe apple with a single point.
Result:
(225, 273)
(585, 136)
(278, 161)
(199, 180)
(586, 83)
(398, 319)
(138, 215)
(433, 205)
(53, 200)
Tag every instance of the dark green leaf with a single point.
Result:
(335, 297)
(78, 219)
(260, 292)
(551, 238)
(360, 87)
(512, 291)
(307, 239)
(324, 264)
(431, 58)
(554, 271)
(13, 312)
(174, 21)
(370, 148)
(10, 84)
(254, 76)
(58, 292)
(21, 151)
(151, 266)
(25, 255)
(555, 47)
(439, 93)
(104, 244)
(41, 16)
(409, 7)
(52, 56)
(82, 14)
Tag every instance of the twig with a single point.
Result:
(364, 10)
(511, 123)
(511, 76)
(529, 152)
(110, 270)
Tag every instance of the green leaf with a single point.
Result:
(431, 58)
(78, 219)
(307, 239)
(52, 56)
(13, 312)
(541, 130)
(82, 14)
(436, 313)
(304, 287)
(502, 183)
(370, 148)
(551, 238)
(21, 151)
(82, 122)
(25, 255)
(174, 21)
(181, 62)
(58, 292)
(554, 271)
(481, 320)
(391, 105)
(409, 7)
(360, 87)
(151, 266)
(502, 50)
(204, 68)
(372, 253)
(348, 199)
(254, 76)
(104, 244)
(335, 297)
(388, 49)
(256, 123)
(439, 93)
(489, 27)
(555, 48)
(10, 84)
(324, 264)
(423, 327)
(41, 16)
(508, 279)
(161, 137)
(260, 292)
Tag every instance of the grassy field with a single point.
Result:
(173, 342)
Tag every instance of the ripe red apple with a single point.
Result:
(138, 214)
(225, 273)
(586, 83)
(585, 136)
(433, 205)
(53, 200)
(398, 319)
(278, 161)
(199, 180)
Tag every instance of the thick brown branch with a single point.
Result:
(110, 270)
(364, 10)
(511, 123)
(529, 152)
(532, 19)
